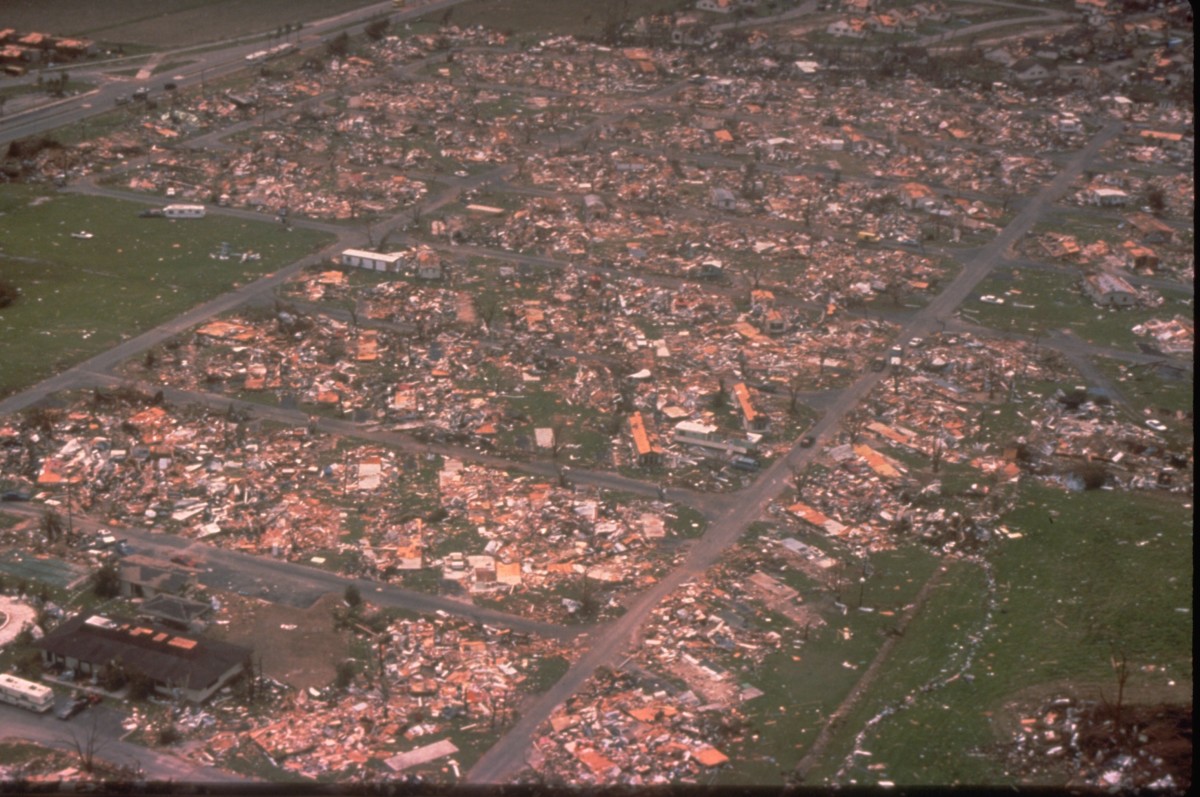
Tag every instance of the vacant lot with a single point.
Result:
(296, 646)
(81, 296)
(1051, 300)
(575, 17)
(1108, 574)
(166, 23)
(804, 684)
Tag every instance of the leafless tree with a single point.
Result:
(88, 744)
(794, 396)
(556, 442)
(800, 479)
(853, 424)
(385, 691)
(1120, 665)
(52, 526)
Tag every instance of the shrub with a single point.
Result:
(346, 671)
(8, 293)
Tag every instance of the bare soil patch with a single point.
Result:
(298, 647)
(1028, 701)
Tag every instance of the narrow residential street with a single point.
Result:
(99, 729)
(608, 643)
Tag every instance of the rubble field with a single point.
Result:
(655, 265)
(1098, 745)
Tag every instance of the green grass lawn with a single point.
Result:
(806, 680)
(1059, 305)
(80, 297)
(72, 87)
(581, 438)
(1112, 574)
(1146, 388)
(168, 23)
(575, 17)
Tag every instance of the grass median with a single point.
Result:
(81, 295)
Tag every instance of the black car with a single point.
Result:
(73, 707)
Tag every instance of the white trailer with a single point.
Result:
(26, 694)
(372, 261)
(184, 211)
(702, 434)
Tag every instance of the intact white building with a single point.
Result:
(373, 261)
(184, 211)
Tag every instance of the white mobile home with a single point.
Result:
(702, 434)
(373, 261)
(184, 211)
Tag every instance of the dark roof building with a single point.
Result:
(196, 666)
(145, 577)
(174, 611)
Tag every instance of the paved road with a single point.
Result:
(204, 64)
(606, 644)
(101, 726)
(290, 583)
(707, 503)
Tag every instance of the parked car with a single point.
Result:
(71, 708)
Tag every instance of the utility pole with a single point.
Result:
(862, 583)
(70, 512)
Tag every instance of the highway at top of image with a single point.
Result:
(205, 62)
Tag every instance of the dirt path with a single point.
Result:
(868, 678)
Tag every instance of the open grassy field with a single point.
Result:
(574, 17)
(166, 23)
(82, 296)
(1111, 575)
(804, 684)
(1145, 387)
(1039, 300)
